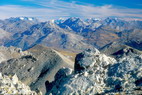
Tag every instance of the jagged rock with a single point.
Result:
(88, 77)
(89, 58)
(14, 79)
(85, 60)
(12, 86)
(96, 73)
(126, 73)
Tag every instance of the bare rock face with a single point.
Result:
(10, 85)
(96, 73)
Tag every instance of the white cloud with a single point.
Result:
(15, 11)
(54, 9)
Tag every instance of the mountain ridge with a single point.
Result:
(93, 33)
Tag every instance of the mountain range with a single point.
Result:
(72, 33)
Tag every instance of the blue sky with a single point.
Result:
(53, 9)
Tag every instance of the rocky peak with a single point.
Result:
(96, 73)
(90, 69)
(92, 20)
(60, 20)
(126, 74)
(112, 20)
(90, 58)
(72, 19)
(74, 22)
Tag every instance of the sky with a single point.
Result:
(54, 9)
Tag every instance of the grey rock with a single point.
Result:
(89, 81)
(102, 75)
(126, 73)
(7, 53)
(63, 72)
(85, 60)
(10, 85)
(35, 68)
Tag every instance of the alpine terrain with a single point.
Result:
(70, 56)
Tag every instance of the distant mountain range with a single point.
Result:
(72, 34)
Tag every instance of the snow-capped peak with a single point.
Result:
(25, 18)
(22, 18)
(52, 20)
(60, 20)
(30, 19)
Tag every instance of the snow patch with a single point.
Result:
(21, 18)
(30, 19)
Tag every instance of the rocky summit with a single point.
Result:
(47, 71)
(97, 74)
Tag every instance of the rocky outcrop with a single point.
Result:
(96, 73)
(88, 76)
(7, 53)
(10, 85)
(93, 72)
(35, 68)
(126, 75)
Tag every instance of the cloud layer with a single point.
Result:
(52, 9)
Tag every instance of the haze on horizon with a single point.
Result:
(53, 9)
